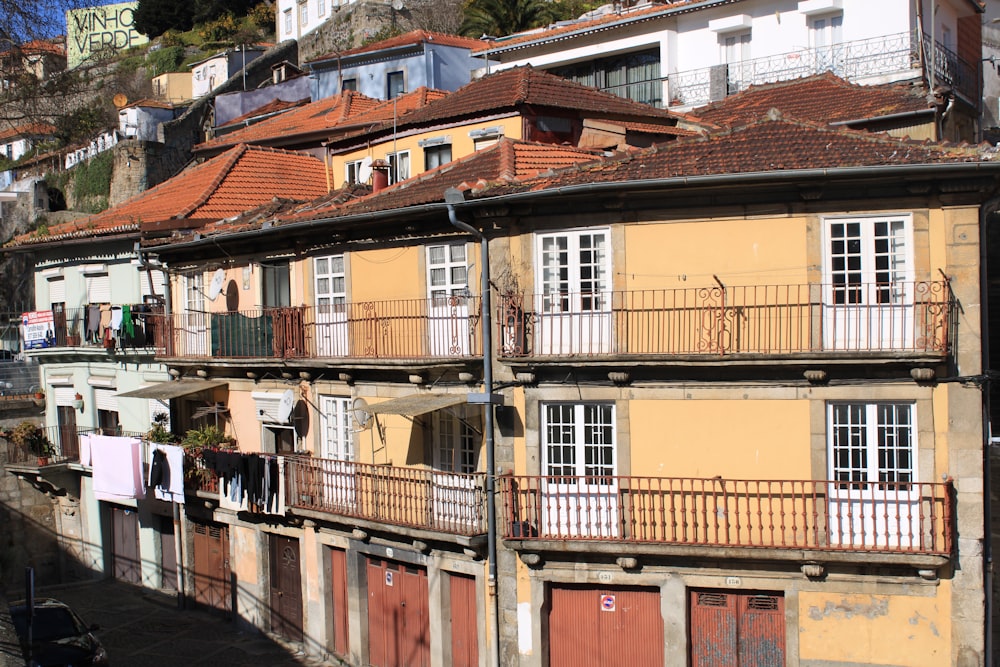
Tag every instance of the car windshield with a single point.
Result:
(50, 624)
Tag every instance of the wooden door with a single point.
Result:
(464, 621)
(613, 625)
(338, 614)
(126, 565)
(398, 621)
(286, 587)
(730, 629)
(211, 566)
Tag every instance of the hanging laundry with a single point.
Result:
(117, 464)
(166, 473)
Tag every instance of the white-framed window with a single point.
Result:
(320, 8)
(395, 84)
(447, 271)
(457, 431)
(869, 259)
(735, 46)
(287, 18)
(331, 282)
(303, 14)
(435, 156)
(872, 444)
(399, 166)
(578, 441)
(336, 432)
(277, 438)
(352, 172)
(825, 31)
(574, 263)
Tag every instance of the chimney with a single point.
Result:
(380, 175)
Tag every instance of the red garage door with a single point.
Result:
(398, 622)
(464, 621)
(743, 629)
(615, 625)
(211, 566)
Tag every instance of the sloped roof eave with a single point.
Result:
(668, 10)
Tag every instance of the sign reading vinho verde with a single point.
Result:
(104, 29)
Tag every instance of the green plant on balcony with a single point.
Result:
(31, 440)
(195, 442)
(159, 433)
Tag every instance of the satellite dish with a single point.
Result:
(119, 100)
(285, 406)
(359, 411)
(365, 170)
(215, 288)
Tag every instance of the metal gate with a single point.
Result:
(615, 625)
(338, 579)
(398, 622)
(125, 563)
(211, 566)
(464, 621)
(286, 587)
(737, 629)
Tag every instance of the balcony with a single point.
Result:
(903, 318)
(889, 57)
(415, 329)
(428, 500)
(690, 515)
(93, 328)
(54, 445)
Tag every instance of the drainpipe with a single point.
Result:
(453, 196)
(984, 273)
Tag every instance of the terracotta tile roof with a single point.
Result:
(821, 98)
(413, 37)
(38, 46)
(240, 179)
(771, 144)
(506, 161)
(517, 88)
(320, 118)
(27, 130)
(272, 107)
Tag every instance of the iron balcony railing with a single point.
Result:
(399, 329)
(856, 60)
(62, 444)
(823, 515)
(902, 317)
(418, 498)
(96, 327)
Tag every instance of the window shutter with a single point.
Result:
(64, 396)
(98, 288)
(106, 399)
(158, 288)
(57, 290)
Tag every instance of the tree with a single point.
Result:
(505, 17)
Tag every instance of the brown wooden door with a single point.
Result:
(605, 626)
(398, 621)
(69, 439)
(211, 566)
(338, 579)
(126, 565)
(742, 629)
(464, 622)
(286, 587)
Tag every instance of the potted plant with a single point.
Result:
(159, 433)
(31, 440)
(195, 442)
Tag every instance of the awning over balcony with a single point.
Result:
(415, 405)
(164, 391)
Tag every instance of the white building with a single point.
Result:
(212, 72)
(688, 54)
(294, 18)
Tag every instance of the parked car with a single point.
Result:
(59, 638)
